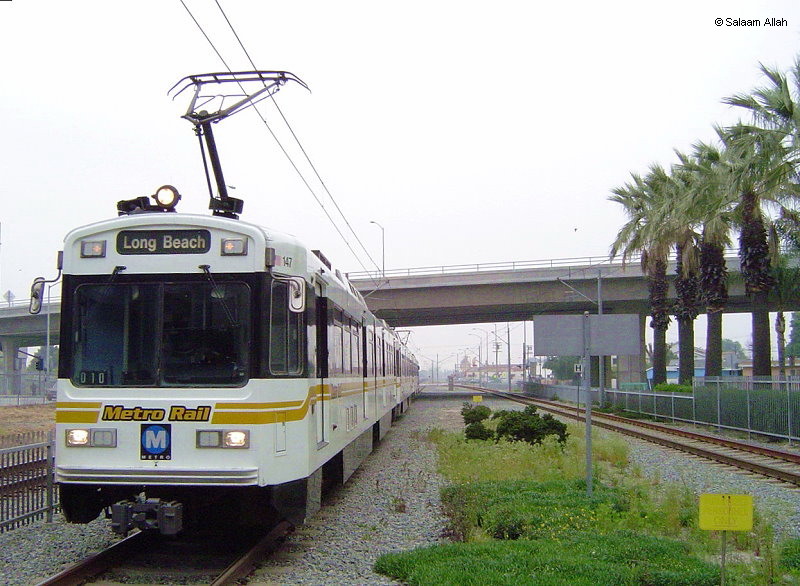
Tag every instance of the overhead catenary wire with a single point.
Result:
(297, 140)
(283, 149)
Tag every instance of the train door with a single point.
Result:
(319, 407)
(372, 368)
(364, 366)
(398, 378)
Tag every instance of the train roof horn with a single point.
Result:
(253, 86)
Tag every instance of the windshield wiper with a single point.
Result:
(220, 293)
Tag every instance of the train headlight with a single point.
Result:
(91, 438)
(236, 439)
(167, 197)
(77, 437)
(223, 439)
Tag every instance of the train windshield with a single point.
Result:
(161, 334)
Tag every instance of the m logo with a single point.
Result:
(156, 442)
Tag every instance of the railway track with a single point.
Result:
(764, 461)
(197, 558)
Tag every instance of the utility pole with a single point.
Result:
(588, 388)
(602, 359)
(508, 344)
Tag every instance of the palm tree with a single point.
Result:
(639, 235)
(775, 108)
(677, 227)
(708, 203)
(759, 175)
(770, 150)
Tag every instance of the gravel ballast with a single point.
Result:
(390, 504)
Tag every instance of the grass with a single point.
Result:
(614, 560)
(521, 515)
(25, 418)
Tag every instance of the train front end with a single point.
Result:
(162, 409)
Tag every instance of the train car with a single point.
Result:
(212, 369)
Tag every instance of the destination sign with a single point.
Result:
(163, 241)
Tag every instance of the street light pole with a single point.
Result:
(383, 248)
(480, 374)
(487, 350)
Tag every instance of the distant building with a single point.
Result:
(491, 372)
(730, 367)
(790, 369)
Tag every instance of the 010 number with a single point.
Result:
(93, 377)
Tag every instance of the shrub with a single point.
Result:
(478, 431)
(672, 388)
(529, 426)
(474, 413)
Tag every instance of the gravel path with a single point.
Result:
(390, 504)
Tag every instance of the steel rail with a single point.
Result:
(97, 563)
(245, 564)
(123, 550)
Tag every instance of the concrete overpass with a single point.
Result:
(518, 291)
(20, 329)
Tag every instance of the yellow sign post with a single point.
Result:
(726, 512)
(477, 398)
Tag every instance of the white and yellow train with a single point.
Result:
(211, 369)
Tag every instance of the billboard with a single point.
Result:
(609, 334)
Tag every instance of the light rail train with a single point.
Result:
(212, 370)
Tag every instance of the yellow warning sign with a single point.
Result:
(477, 398)
(726, 512)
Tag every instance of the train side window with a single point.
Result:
(346, 344)
(285, 333)
(335, 343)
(356, 348)
(370, 342)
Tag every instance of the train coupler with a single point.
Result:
(147, 514)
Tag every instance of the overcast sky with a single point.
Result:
(472, 132)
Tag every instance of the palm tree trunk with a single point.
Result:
(780, 330)
(714, 292)
(685, 352)
(714, 343)
(686, 289)
(660, 319)
(659, 356)
(762, 362)
(756, 270)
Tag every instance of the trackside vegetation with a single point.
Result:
(519, 513)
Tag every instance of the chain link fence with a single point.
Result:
(27, 388)
(759, 406)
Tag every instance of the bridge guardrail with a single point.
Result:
(569, 262)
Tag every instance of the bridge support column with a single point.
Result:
(10, 381)
(631, 369)
(594, 369)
